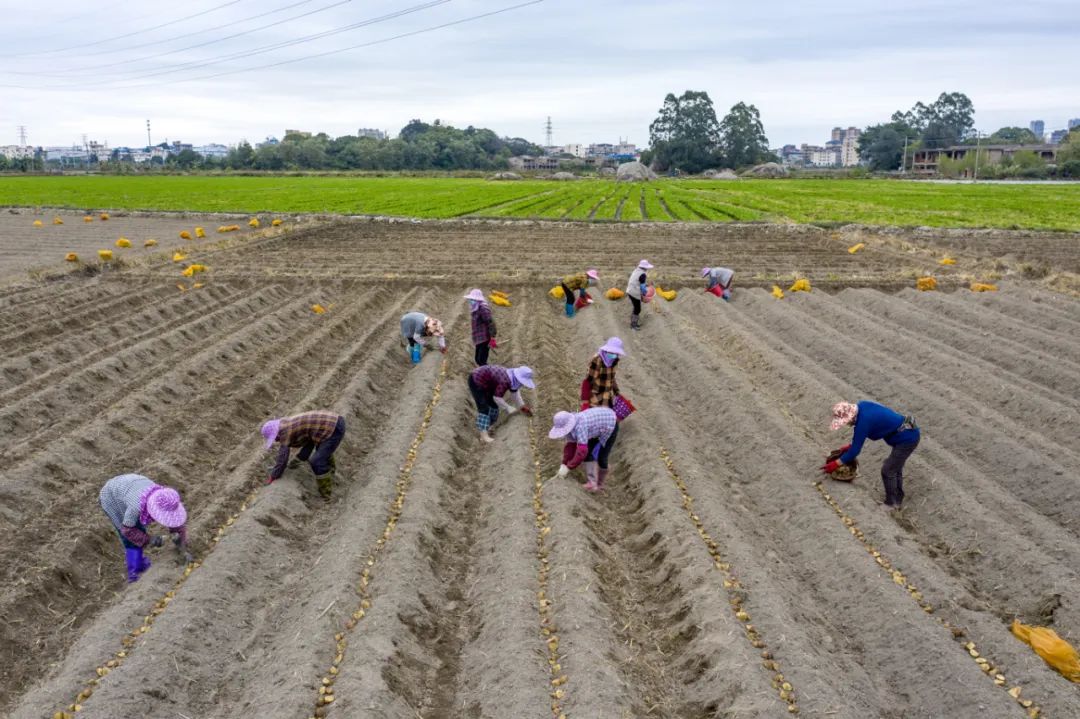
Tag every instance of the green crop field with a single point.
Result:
(874, 202)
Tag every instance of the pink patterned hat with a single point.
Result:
(843, 414)
(164, 507)
(593, 274)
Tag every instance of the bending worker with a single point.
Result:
(416, 328)
(718, 281)
(483, 326)
(636, 289)
(875, 421)
(317, 434)
(489, 384)
(579, 282)
(590, 436)
(132, 502)
(599, 387)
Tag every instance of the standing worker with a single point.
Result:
(718, 281)
(317, 434)
(483, 326)
(875, 421)
(416, 327)
(132, 502)
(579, 282)
(599, 387)
(590, 434)
(637, 289)
(489, 384)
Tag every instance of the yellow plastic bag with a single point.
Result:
(855, 248)
(179, 257)
(253, 222)
(104, 216)
(556, 292)
(88, 218)
(105, 255)
(193, 269)
(150, 243)
(275, 223)
(499, 300)
(983, 287)
(777, 292)
(38, 223)
(613, 294)
(926, 284)
(57, 221)
(200, 232)
(668, 295)
(71, 257)
(318, 309)
(946, 261)
(123, 242)
(185, 235)
(800, 286)
(1054, 650)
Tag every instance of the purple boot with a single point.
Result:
(601, 475)
(134, 558)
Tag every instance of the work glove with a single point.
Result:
(157, 541)
(830, 467)
(563, 471)
(491, 343)
(510, 409)
(526, 410)
(270, 479)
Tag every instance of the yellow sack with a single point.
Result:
(123, 242)
(613, 294)
(777, 292)
(185, 235)
(496, 293)
(275, 223)
(150, 243)
(318, 309)
(946, 261)
(1054, 650)
(104, 216)
(38, 223)
(501, 301)
(179, 257)
(105, 255)
(192, 269)
(88, 218)
(253, 222)
(71, 257)
(800, 286)
(982, 287)
(855, 248)
(57, 221)
(556, 292)
(926, 283)
(668, 295)
(200, 232)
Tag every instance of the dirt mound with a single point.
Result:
(607, 172)
(634, 172)
(768, 169)
(564, 176)
(505, 176)
(724, 174)
(713, 577)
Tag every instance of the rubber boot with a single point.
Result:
(601, 475)
(635, 322)
(485, 436)
(591, 475)
(325, 482)
(570, 310)
(144, 563)
(133, 557)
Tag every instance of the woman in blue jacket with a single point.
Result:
(875, 421)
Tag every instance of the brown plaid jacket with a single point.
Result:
(602, 384)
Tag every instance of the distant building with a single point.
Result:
(268, 142)
(827, 157)
(926, 161)
(601, 149)
(837, 134)
(1057, 136)
(17, 152)
(1038, 129)
(212, 150)
(849, 149)
(528, 162)
(576, 149)
(1075, 122)
(369, 132)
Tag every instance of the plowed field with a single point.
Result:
(716, 577)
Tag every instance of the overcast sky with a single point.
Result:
(599, 68)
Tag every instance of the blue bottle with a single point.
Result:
(414, 352)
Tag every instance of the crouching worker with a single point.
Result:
(416, 328)
(718, 281)
(132, 502)
(579, 282)
(489, 384)
(875, 421)
(590, 436)
(317, 434)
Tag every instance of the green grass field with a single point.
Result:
(874, 202)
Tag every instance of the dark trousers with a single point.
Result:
(568, 294)
(605, 450)
(482, 351)
(484, 402)
(323, 458)
(636, 303)
(892, 472)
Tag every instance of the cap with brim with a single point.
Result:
(704, 271)
(563, 424)
(270, 430)
(524, 376)
(475, 294)
(645, 265)
(614, 345)
(593, 274)
(165, 508)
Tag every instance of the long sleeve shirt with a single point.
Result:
(594, 423)
(637, 279)
(720, 276)
(579, 281)
(602, 384)
(412, 328)
(492, 379)
(298, 430)
(483, 325)
(875, 421)
(122, 500)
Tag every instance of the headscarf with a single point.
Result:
(843, 414)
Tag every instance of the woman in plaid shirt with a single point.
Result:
(489, 384)
(590, 434)
(483, 326)
(317, 434)
(600, 388)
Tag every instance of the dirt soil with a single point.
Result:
(715, 577)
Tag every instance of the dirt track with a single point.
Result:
(428, 564)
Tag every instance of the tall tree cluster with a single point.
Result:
(686, 135)
(945, 122)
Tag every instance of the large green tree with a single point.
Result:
(1013, 136)
(742, 137)
(685, 135)
(942, 123)
(882, 146)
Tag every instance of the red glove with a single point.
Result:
(526, 410)
(830, 467)
(845, 448)
(269, 480)
(491, 343)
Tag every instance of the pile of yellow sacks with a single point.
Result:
(501, 298)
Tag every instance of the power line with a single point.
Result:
(129, 34)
